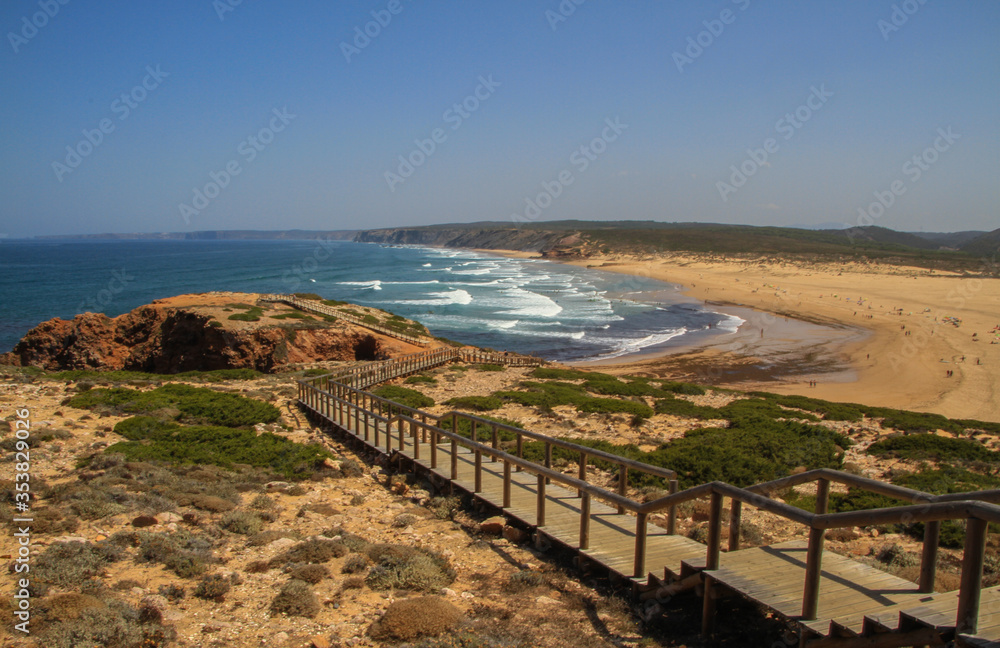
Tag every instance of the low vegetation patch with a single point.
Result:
(404, 396)
(150, 439)
(124, 376)
(181, 402)
(475, 403)
(405, 567)
(933, 447)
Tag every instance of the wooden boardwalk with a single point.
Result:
(832, 600)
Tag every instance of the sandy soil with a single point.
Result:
(903, 361)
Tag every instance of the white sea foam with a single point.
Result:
(531, 304)
(442, 298)
(371, 285)
(629, 346)
(732, 323)
(426, 265)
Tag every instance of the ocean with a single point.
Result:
(552, 310)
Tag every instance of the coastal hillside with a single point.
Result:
(583, 239)
(212, 331)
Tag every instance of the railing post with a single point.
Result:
(822, 496)
(520, 448)
(506, 484)
(367, 432)
(540, 505)
(972, 576)
(434, 449)
(672, 511)
(735, 513)
(928, 558)
(496, 442)
(814, 567)
(714, 532)
(416, 441)
(479, 472)
(400, 433)
(454, 459)
(622, 485)
(585, 521)
(582, 471)
(640, 545)
(388, 437)
(548, 458)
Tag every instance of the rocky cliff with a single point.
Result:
(494, 238)
(171, 336)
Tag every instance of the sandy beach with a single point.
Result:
(893, 333)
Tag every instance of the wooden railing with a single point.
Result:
(342, 399)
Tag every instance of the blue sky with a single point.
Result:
(877, 81)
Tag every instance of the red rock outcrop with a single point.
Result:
(161, 339)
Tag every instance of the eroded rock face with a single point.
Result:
(170, 340)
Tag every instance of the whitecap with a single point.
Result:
(371, 285)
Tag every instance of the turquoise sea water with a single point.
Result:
(557, 311)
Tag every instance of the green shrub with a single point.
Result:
(551, 373)
(484, 431)
(355, 563)
(475, 403)
(152, 440)
(196, 404)
(489, 367)
(412, 568)
(311, 574)
(420, 379)
(404, 396)
(67, 565)
(934, 447)
(213, 587)
(241, 522)
(829, 411)
(251, 315)
(614, 405)
(309, 296)
(296, 598)
(312, 552)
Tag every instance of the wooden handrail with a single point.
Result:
(347, 402)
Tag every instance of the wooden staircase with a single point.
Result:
(831, 600)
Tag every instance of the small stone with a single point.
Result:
(277, 486)
(515, 535)
(168, 517)
(281, 637)
(545, 600)
(281, 543)
(447, 591)
(144, 521)
(493, 526)
(320, 641)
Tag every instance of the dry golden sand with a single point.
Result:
(891, 368)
